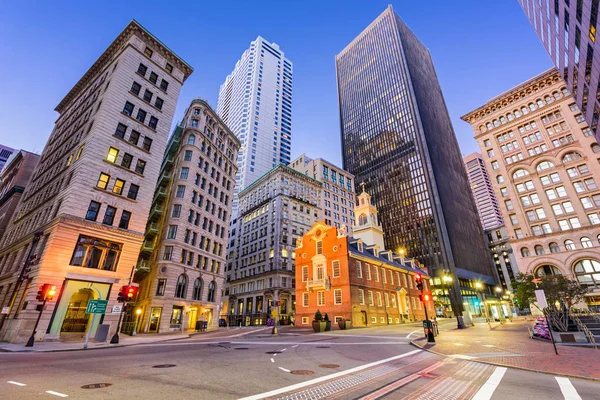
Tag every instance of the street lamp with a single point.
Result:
(479, 287)
(138, 312)
(456, 306)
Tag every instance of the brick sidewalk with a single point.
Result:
(509, 345)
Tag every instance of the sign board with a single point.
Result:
(117, 309)
(540, 296)
(96, 307)
(5, 310)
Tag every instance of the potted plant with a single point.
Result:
(327, 322)
(344, 324)
(318, 323)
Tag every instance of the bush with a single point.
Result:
(318, 316)
(326, 319)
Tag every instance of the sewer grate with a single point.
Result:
(224, 343)
(329, 366)
(240, 348)
(302, 372)
(164, 366)
(274, 352)
(96, 385)
(322, 347)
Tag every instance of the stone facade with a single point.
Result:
(544, 165)
(183, 257)
(274, 211)
(81, 220)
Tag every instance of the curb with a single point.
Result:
(510, 366)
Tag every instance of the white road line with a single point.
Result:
(16, 383)
(56, 393)
(283, 369)
(487, 390)
(413, 332)
(295, 345)
(327, 377)
(246, 333)
(567, 388)
(263, 344)
(272, 360)
(283, 350)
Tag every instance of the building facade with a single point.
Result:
(483, 193)
(397, 138)
(5, 153)
(255, 101)
(338, 189)
(544, 165)
(274, 211)
(355, 278)
(13, 180)
(568, 31)
(81, 220)
(503, 257)
(183, 257)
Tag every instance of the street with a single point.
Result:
(229, 364)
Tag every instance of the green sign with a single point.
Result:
(96, 307)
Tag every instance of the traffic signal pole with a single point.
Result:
(115, 338)
(31, 340)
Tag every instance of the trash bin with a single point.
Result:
(101, 333)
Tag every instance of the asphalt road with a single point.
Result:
(357, 364)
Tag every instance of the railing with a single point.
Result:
(585, 330)
(317, 283)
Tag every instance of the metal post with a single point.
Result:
(115, 338)
(87, 334)
(31, 340)
(550, 332)
(430, 337)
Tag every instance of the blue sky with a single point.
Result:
(480, 49)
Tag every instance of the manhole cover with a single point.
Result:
(274, 352)
(302, 372)
(164, 366)
(322, 347)
(96, 385)
(329, 366)
(241, 348)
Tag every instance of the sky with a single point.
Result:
(480, 49)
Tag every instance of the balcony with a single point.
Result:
(155, 212)
(318, 284)
(164, 178)
(160, 194)
(151, 230)
(147, 248)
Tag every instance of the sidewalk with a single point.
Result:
(509, 345)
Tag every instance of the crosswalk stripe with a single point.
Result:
(487, 390)
(567, 388)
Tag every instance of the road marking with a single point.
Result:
(488, 345)
(487, 390)
(283, 369)
(257, 343)
(343, 335)
(56, 393)
(272, 360)
(567, 388)
(283, 350)
(16, 383)
(458, 344)
(327, 377)
(461, 356)
(410, 334)
(295, 345)
(247, 333)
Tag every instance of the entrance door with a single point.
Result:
(155, 319)
(192, 318)
(364, 317)
(76, 320)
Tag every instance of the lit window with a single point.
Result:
(118, 187)
(112, 155)
(103, 181)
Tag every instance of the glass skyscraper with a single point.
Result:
(397, 138)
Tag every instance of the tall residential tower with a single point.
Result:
(255, 102)
(483, 192)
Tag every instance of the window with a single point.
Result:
(147, 144)
(361, 297)
(133, 191)
(135, 88)
(126, 161)
(587, 272)
(148, 51)
(188, 155)
(370, 294)
(520, 173)
(184, 173)
(335, 269)
(554, 247)
(586, 243)
(519, 233)
(379, 299)
(594, 219)
(525, 252)
(376, 273)
(92, 212)
(121, 130)
(141, 115)
(142, 69)
(569, 245)
(191, 139)
(109, 215)
(164, 85)
(319, 247)
(91, 252)
(495, 165)
(128, 109)
(172, 232)
(124, 221)
(153, 77)
(305, 273)
(147, 96)
(305, 299)
(321, 298)
(140, 166)
(181, 287)
(134, 137)
(539, 250)
(197, 291)
(368, 271)
(103, 180)
(358, 269)
(160, 287)
(337, 296)
(158, 103)
(118, 186)
(544, 165)
(153, 122)
(169, 68)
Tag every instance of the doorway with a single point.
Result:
(192, 318)
(76, 320)
(155, 319)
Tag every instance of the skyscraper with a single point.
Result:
(80, 223)
(398, 139)
(568, 31)
(5, 153)
(255, 102)
(483, 193)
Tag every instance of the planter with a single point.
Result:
(327, 325)
(319, 326)
(345, 324)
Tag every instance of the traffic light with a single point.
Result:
(122, 297)
(127, 294)
(419, 280)
(131, 293)
(46, 292)
(51, 292)
(426, 297)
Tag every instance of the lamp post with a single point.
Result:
(138, 312)
(454, 302)
(498, 290)
(480, 287)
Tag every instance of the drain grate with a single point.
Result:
(224, 343)
(322, 347)
(329, 366)
(240, 348)
(96, 385)
(274, 352)
(164, 366)
(302, 372)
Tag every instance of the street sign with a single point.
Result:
(541, 298)
(96, 307)
(5, 310)
(117, 309)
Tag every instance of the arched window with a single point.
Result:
(548, 99)
(181, 287)
(503, 120)
(554, 248)
(496, 123)
(524, 110)
(598, 239)
(489, 126)
(191, 139)
(540, 103)
(539, 250)
(544, 165)
(569, 245)
(596, 148)
(556, 95)
(510, 116)
(520, 173)
(544, 270)
(517, 113)
(571, 156)
(482, 128)
(362, 219)
(586, 243)
(532, 107)
(587, 272)
(197, 292)
(565, 92)
(500, 179)
(525, 252)
(211, 292)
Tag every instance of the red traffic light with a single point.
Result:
(46, 292)
(426, 297)
(418, 277)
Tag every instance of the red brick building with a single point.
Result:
(348, 278)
